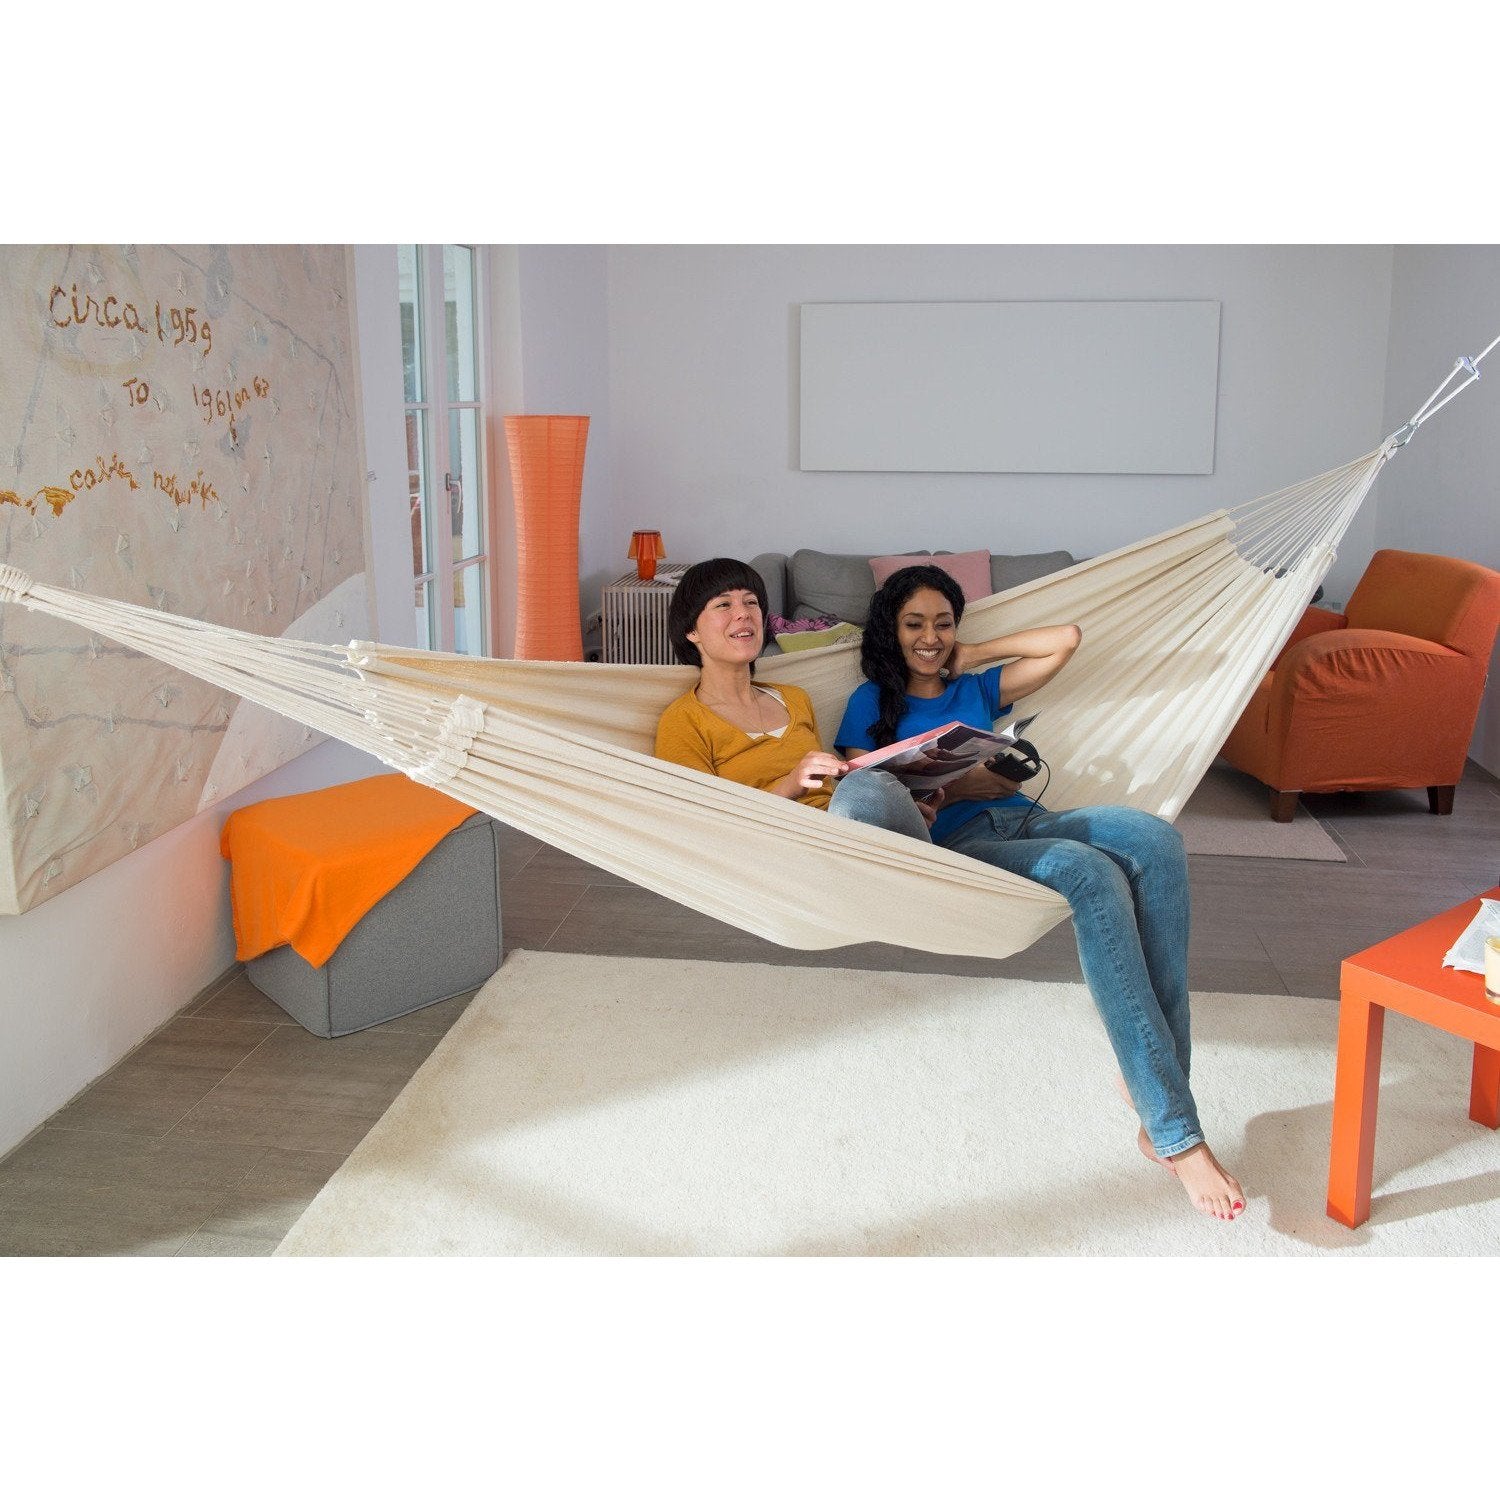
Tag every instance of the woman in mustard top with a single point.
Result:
(760, 734)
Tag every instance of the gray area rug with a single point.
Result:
(1230, 813)
(612, 1106)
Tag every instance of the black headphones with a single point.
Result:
(1019, 761)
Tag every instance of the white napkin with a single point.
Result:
(1468, 951)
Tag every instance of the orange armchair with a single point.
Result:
(1384, 695)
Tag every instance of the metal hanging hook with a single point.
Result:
(1464, 364)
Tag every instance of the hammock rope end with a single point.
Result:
(14, 585)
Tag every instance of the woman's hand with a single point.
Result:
(929, 803)
(809, 772)
(980, 784)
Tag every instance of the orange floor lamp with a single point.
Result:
(546, 471)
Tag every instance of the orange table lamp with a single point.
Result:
(546, 471)
(646, 551)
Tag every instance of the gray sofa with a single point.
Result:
(810, 583)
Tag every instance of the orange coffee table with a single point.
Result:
(1404, 973)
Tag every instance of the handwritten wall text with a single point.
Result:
(225, 403)
(197, 488)
(183, 325)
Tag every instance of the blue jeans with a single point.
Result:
(1125, 876)
(877, 798)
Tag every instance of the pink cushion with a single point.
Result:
(970, 570)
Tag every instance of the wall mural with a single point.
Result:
(179, 427)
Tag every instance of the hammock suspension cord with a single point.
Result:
(1471, 366)
(1277, 532)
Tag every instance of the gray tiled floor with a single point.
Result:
(214, 1135)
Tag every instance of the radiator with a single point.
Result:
(634, 624)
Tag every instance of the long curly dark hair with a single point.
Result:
(880, 655)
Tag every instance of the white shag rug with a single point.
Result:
(1230, 813)
(625, 1106)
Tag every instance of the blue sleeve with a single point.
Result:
(989, 686)
(861, 711)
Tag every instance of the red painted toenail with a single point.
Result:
(1238, 1204)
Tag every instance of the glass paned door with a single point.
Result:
(459, 323)
(442, 360)
(468, 610)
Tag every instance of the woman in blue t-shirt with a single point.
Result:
(1122, 871)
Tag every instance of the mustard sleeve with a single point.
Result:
(682, 741)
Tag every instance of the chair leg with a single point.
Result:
(1283, 805)
(1440, 800)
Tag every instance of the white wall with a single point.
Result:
(702, 394)
(564, 322)
(86, 976)
(1441, 493)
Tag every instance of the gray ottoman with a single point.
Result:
(435, 936)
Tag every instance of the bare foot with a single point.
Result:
(1142, 1139)
(1149, 1152)
(1212, 1190)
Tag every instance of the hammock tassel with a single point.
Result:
(453, 743)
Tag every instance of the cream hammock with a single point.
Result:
(1177, 632)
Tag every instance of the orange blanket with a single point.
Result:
(305, 869)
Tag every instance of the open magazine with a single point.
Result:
(925, 761)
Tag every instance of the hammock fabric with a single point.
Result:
(1177, 632)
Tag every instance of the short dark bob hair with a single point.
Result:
(702, 582)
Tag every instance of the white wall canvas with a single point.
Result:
(1010, 387)
(179, 428)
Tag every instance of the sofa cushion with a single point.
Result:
(772, 568)
(1010, 572)
(833, 583)
(969, 570)
(780, 625)
(811, 640)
